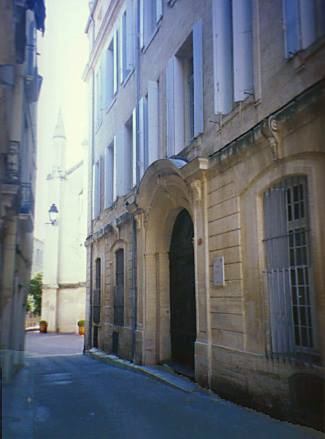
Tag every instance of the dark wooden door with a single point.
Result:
(182, 291)
(96, 302)
(119, 289)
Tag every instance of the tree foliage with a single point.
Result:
(34, 298)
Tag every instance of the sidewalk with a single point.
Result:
(159, 373)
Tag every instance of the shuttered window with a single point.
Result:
(101, 183)
(232, 53)
(143, 137)
(184, 92)
(152, 152)
(303, 22)
(197, 102)
(110, 174)
(116, 62)
(96, 189)
(98, 96)
(109, 80)
(148, 135)
(242, 49)
(288, 273)
(119, 288)
(126, 156)
(127, 39)
(151, 12)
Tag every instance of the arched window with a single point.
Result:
(288, 267)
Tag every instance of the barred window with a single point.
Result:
(288, 267)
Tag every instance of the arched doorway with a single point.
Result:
(182, 294)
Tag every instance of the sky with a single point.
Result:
(63, 53)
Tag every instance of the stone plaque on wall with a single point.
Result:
(219, 272)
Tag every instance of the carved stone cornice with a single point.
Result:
(271, 132)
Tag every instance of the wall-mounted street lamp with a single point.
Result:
(53, 214)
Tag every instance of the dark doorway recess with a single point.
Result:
(182, 295)
(96, 302)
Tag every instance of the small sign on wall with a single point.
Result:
(219, 272)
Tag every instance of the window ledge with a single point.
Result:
(110, 105)
(128, 76)
(302, 56)
(224, 119)
(98, 125)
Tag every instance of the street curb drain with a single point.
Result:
(155, 372)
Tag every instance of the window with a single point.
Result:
(184, 83)
(150, 15)
(130, 152)
(304, 23)
(96, 189)
(232, 53)
(98, 96)
(288, 267)
(110, 80)
(148, 129)
(127, 40)
(126, 153)
(101, 183)
(110, 174)
(119, 288)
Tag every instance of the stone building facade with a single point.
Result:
(19, 90)
(205, 242)
(64, 289)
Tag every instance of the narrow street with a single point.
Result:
(64, 394)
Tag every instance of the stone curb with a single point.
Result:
(155, 372)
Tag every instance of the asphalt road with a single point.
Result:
(64, 394)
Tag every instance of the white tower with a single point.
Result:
(55, 187)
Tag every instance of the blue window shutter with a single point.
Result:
(115, 61)
(97, 189)
(222, 56)
(159, 10)
(120, 162)
(170, 108)
(130, 34)
(94, 192)
(179, 111)
(307, 22)
(291, 27)
(153, 122)
(198, 77)
(122, 48)
(107, 186)
(134, 147)
(242, 49)
(114, 179)
(141, 137)
(141, 12)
